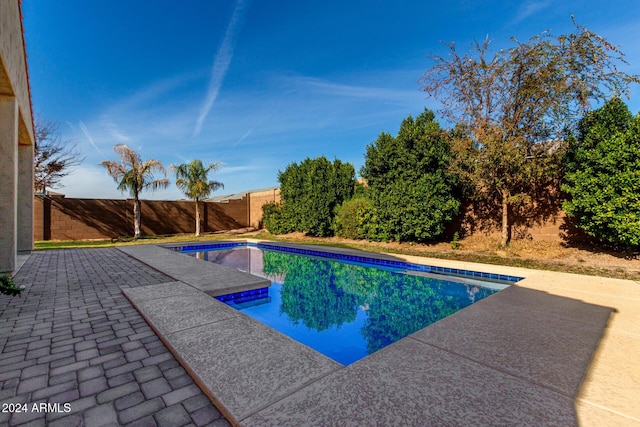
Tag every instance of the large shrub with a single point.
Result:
(310, 192)
(603, 175)
(410, 188)
(274, 219)
(355, 219)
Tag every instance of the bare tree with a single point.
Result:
(53, 157)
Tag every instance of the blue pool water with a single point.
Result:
(344, 309)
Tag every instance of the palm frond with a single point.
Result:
(132, 173)
(192, 179)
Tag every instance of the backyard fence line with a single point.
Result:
(60, 218)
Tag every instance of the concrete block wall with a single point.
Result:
(38, 215)
(238, 209)
(550, 230)
(61, 218)
(74, 219)
(257, 200)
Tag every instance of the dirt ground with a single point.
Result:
(556, 255)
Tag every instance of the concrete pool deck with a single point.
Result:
(555, 349)
(209, 278)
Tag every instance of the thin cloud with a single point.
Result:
(226, 170)
(114, 130)
(352, 91)
(85, 179)
(530, 8)
(87, 135)
(158, 112)
(156, 91)
(220, 66)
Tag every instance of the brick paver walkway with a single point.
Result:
(73, 338)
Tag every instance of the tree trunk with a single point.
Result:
(197, 218)
(506, 227)
(136, 217)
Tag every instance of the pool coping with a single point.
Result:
(587, 392)
(212, 279)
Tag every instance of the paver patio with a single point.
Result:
(72, 337)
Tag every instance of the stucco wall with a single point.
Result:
(16, 141)
(13, 70)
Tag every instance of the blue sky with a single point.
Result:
(257, 85)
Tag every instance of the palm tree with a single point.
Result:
(192, 179)
(134, 175)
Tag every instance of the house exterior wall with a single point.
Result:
(14, 79)
(24, 226)
(16, 141)
(9, 180)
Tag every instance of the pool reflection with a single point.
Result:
(344, 310)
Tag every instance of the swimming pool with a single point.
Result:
(346, 307)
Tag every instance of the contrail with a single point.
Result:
(88, 136)
(246, 134)
(220, 66)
